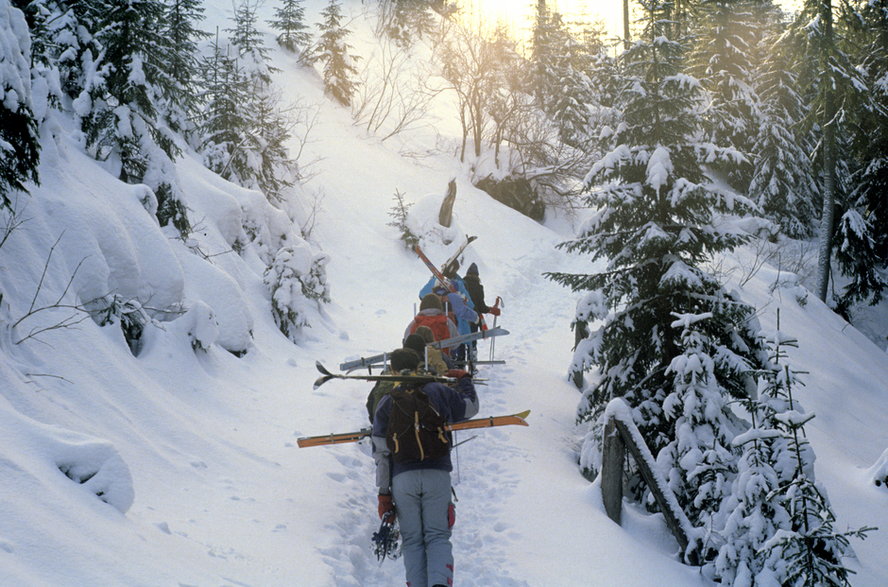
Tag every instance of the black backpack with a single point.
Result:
(415, 428)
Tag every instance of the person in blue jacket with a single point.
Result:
(460, 302)
(419, 491)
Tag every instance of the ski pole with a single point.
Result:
(499, 301)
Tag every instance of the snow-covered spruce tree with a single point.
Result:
(223, 125)
(62, 45)
(806, 549)
(725, 33)
(180, 92)
(118, 106)
(405, 21)
(19, 146)
(243, 131)
(605, 77)
(333, 53)
(252, 53)
(862, 240)
(399, 213)
(656, 220)
(272, 171)
(699, 463)
(754, 512)
(289, 21)
(784, 182)
(569, 107)
(832, 84)
(543, 57)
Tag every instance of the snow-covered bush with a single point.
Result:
(296, 280)
(699, 463)
(51, 456)
(200, 325)
(129, 313)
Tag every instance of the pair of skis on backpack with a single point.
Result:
(345, 437)
(378, 360)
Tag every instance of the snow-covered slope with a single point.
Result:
(194, 453)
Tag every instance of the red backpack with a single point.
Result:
(437, 323)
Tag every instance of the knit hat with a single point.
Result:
(415, 343)
(401, 359)
(430, 301)
(425, 333)
(472, 270)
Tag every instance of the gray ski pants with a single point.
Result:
(421, 498)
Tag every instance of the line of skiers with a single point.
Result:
(411, 449)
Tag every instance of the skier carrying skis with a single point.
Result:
(431, 314)
(460, 302)
(431, 359)
(472, 282)
(413, 468)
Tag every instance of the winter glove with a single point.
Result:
(457, 373)
(493, 310)
(385, 504)
(451, 515)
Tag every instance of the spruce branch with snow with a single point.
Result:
(289, 21)
(332, 51)
(19, 147)
(808, 550)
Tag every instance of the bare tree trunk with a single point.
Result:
(828, 217)
(445, 214)
(626, 24)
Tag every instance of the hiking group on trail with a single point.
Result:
(417, 400)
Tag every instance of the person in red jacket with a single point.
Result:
(431, 314)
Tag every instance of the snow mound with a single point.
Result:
(54, 457)
(879, 471)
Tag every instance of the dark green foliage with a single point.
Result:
(862, 243)
(726, 34)
(289, 21)
(243, 130)
(408, 20)
(181, 35)
(19, 148)
(654, 228)
(332, 52)
(398, 213)
(784, 183)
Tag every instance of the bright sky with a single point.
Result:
(519, 14)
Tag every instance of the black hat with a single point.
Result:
(472, 270)
(415, 343)
(401, 359)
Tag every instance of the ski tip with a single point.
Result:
(321, 368)
(321, 380)
(523, 415)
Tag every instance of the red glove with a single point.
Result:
(493, 310)
(385, 505)
(457, 373)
